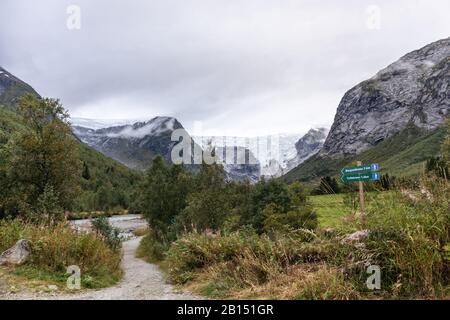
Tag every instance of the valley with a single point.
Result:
(269, 218)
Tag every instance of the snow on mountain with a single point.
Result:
(135, 144)
(276, 154)
(99, 123)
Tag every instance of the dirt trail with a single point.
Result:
(142, 281)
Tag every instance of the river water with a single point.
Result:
(125, 223)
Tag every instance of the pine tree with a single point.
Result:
(86, 173)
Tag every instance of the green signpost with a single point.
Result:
(360, 177)
(374, 167)
(360, 174)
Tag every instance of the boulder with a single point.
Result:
(356, 236)
(16, 255)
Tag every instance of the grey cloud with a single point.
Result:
(240, 67)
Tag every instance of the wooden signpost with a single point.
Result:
(359, 174)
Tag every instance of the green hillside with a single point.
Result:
(106, 184)
(401, 155)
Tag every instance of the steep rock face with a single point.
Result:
(307, 146)
(272, 152)
(413, 90)
(239, 163)
(134, 145)
(12, 88)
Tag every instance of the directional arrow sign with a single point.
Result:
(374, 167)
(360, 177)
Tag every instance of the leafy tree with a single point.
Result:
(209, 205)
(297, 194)
(48, 208)
(272, 192)
(43, 158)
(299, 214)
(299, 218)
(110, 234)
(163, 195)
(104, 198)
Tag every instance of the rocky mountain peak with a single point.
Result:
(11, 88)
(413, 90)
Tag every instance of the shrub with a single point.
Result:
(408, 235)
(56, 247)
(249, 257)
(109, 234)
(152, 248)
(301, 218)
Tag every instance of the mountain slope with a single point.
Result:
(12, 88)
(276, 154)
(403, 105)
(307, 146)
(402, 154)
(239, 163)
(415, 89)
(107, 178)
(134, 145)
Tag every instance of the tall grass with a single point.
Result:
(408, 239)
(54, 248)
(409, 233)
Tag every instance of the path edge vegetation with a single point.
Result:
(274, 244)
(41, 179)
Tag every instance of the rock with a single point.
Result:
(16, 255)
(136, 144)
(356, 236)
(307, 146)
(11, 88)
(52, 287)
(415, 89)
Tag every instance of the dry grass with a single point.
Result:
(54, 248)
(300, 282)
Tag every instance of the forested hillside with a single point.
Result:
(104, 183)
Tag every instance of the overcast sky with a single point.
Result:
(247, 67)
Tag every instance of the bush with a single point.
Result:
(301, 218)
(152, 248)
(408, 239)
(109, 234)
(408, 236)
(56, 247)
(245, 253)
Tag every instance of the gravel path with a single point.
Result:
(141, 281)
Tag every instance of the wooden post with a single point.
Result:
(361, 193)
